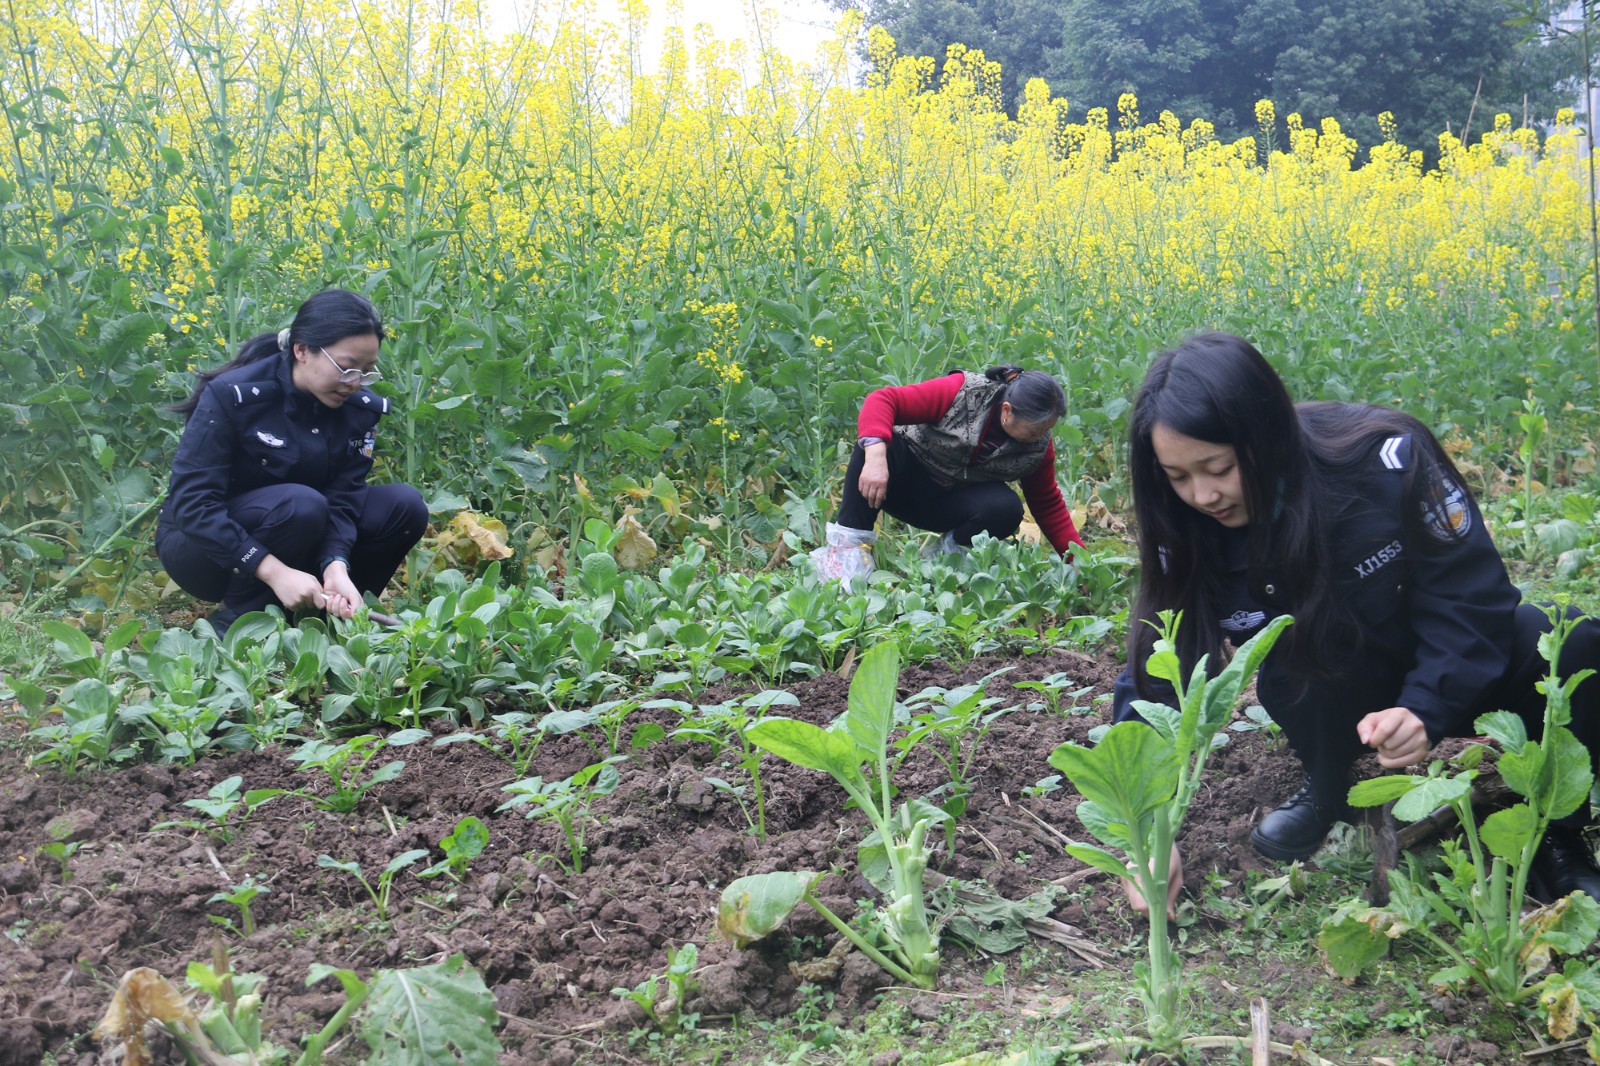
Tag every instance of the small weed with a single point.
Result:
(227, 807)
(380, 895)
(345, 765)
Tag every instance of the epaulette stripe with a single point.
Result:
(1390, 453)
(238, 393)
(385, 405)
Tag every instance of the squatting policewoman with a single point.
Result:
(269, 501)
(1353, 519)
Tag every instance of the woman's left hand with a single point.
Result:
(342, 596)
(1399, 736)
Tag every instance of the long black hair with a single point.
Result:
(325, 318)
(1218, 388)
(1034, 396)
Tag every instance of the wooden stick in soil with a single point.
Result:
(1260, 1033)
(1552, 1049)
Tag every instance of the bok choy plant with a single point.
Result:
(1137, 785)
(854, 751)
(1471, 913)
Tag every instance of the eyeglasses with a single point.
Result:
(350, 375)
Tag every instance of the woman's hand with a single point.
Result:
(1399, 736)
(1174, 886)
(342, 595)
(293, 588)
(874, 483)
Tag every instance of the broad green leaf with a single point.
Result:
(1584, 975)
(387, 772)
(404, 859)
(753, 907)
(870, 713)
(1433, 793)
(1223, 691)
(1131, 772)
(1161, 718)
(72, 645)
(329, 862)
(354, 986)
(1522, 770)
(646, 735)
(1504, 728)
(123, 635)
(1505, 832)
(1455, 976)
(1104, 828)
(429, 1015)
(559, 722)
(1100, 859)
(807, 745)
(1353, 938)
(1569, 764)
(1376, 791)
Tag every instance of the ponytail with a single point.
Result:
(261, 346)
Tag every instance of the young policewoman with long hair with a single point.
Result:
(1352, 519)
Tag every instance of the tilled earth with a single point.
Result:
(551, 945)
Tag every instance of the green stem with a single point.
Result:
(312, 1056)
(50, 592)
(1163, 990)
(893, 968)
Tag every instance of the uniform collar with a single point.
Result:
(299, 404)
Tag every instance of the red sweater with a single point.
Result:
(929, 401)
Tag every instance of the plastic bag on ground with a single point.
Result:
(847, 554)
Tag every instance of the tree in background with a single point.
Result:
(1016, 33)
(1433, 63)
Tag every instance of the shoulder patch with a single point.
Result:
(371, 401)
(1445, 508)
(1395, 453)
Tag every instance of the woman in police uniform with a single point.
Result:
(269, 501)
(1352, 519)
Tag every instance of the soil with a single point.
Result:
(550, 944)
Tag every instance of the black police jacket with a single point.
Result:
(253, 428)
(1433, 611)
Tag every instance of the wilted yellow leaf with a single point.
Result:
(581, 487)
(1028, 532)
(487, 534)
(634, 547)
(142, 996)
(1562, 1011)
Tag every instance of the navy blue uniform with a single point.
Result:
(1439, 627)
(265, 468)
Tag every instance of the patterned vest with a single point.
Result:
(945, 447)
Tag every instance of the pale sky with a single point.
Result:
(802, 24)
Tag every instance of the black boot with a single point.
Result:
(1564, 864)
(1298, 827)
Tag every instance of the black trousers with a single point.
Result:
(914, 497)
(1327, 744)
(291, 521)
